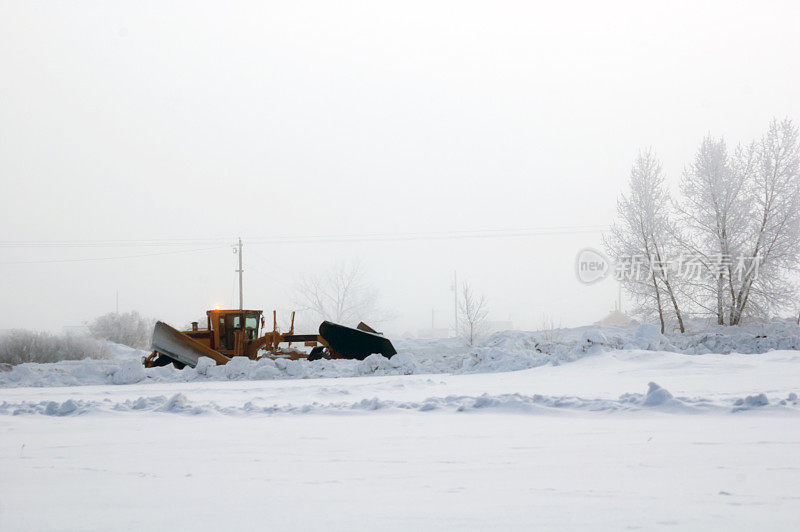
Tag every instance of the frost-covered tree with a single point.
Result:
(342, 294)
(735, 231)
(129, 329)
(774, 229)
(642, 237)
(740, 218)
(714, 221)
(19, 346)
(472, 312)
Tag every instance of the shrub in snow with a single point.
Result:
(20, 346)
(129, 329)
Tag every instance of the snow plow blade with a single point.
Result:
(347, 342)
(173, 344)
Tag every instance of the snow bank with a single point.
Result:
(504, 351)
(778, 334)
(655, 399)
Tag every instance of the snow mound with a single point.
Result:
(203, 364)
(129, 372)
(749, 402)
(176, 403)
(657, 396)
(404, 363)
(66, 408)
(594, 337)
(649, 337)
(661, 399)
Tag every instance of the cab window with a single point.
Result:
(228, 324)
(251, 327)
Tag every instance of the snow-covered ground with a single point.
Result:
(604, 429)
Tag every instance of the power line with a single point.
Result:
(441, 235)
(94, 259)
(106, 243)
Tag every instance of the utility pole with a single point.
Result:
(117, 305)
(239, 271)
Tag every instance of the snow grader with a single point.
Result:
(233, 333)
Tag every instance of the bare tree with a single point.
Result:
(341, 294)
(472, 314)
(644, 230)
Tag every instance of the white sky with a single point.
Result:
(198, 120)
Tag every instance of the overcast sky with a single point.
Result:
(199, 122)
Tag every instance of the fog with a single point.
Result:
(138, 140)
